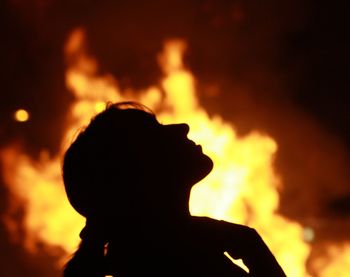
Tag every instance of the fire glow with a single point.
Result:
(243, 187)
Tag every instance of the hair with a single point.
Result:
(102, 161)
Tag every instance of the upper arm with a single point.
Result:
(242, 242)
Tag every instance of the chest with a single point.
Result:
(171, 256)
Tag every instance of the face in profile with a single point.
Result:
(182, 158)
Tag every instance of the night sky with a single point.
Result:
(280, 67)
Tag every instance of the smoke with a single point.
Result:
(275, 66)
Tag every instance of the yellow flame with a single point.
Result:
(243, 170)
(21, 115)
(336, 262)
(242, 188)
(38, 186)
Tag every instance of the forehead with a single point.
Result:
(148, 124)
(134, 116)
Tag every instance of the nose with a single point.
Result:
(180, 129)
(184, 128)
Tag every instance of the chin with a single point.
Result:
(202, 168)
(188, 167)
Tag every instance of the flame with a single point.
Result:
(243, 187)
(37, 185)
(336, 262)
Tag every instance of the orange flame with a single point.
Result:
(242, 188)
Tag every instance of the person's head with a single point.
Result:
(125, 160)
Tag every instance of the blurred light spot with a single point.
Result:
(21, 115)
(308, 234)
(237, 262)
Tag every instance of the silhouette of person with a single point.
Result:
(131, 178)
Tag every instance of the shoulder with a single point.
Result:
(214, 225)
(220, 230)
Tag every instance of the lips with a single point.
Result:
(193, 144)
(199, 147)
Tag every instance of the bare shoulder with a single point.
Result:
(221, 232)
(241, 242)
(220, 226)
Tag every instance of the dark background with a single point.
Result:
(281, 67)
